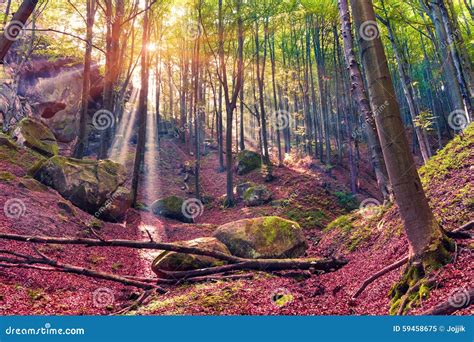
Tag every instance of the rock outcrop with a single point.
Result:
(247, 161)
(94, 186)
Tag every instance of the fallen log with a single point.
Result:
(264, 265)
(172, 247)
(237, 263)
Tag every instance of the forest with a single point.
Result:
(236, 157)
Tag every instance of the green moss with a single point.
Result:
(346, 200)
(281, 299)
(209, 296)
(11, 153)
(7, 177)
(32, 184)
(38, 137)
(414, 285)
(247, 161)
(454, 156)
(307, 218)
(272, 228)
(35, 294)
(343, 222)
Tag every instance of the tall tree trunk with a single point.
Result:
(142, 111)
(86, 81)
(242, 134)
(260, 72)
(277, 106)
(449, 71)
(16, 25)
(426, 240)
(360, 96)
(407, 90)
(112, 72)
(450, 35)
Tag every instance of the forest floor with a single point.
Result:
(312, 197)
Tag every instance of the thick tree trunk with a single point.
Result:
(18, 22)
(423, 232)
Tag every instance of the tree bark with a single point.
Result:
(18, 22)
(142, 112)
(360, 96)
(86, 81)
(422, 230)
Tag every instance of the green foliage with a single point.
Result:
(346, 200)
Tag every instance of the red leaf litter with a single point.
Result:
(36, 292)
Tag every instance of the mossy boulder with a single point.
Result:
(170, 207)
(93, 186)
(247, 161)
(173, 261)
(242, 187)
(263, 237)
(37, 136)
(257, 195)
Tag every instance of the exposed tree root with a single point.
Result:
(377, 275)
(418, 280)
(461, 232)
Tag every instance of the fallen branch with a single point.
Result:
(172, 247)
(135, 304)
(377, 275)
(448, 307)
(237, 263)
(23, 260)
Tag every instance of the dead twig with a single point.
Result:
(377, 275)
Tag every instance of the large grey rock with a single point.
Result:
(247, 161)
(257, 195)
(94, 186)
(173, 261)
(171, 207)
(263, 237)
(37, 136)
